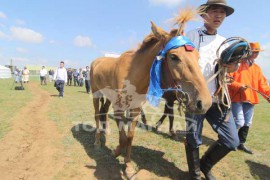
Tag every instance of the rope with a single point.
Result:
(222, 93)
(252, 88)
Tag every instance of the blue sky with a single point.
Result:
(43, 32)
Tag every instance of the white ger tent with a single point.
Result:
(4, 72)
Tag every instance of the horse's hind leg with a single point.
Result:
(143, 117)
(162, 117)
(171, 118)
(104, 120)
(97, 119)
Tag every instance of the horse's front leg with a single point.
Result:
(119, 117)
(134, 115)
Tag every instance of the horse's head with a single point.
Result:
(180, 69)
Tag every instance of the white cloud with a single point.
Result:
(26, 35)
(82, 41)
(2, 25)
(52, 41)
(2, 15)
(3, 35)
(264, 60)
(168, 3)
(19, 22)
(21, 50)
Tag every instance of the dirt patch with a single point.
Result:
(30, 150)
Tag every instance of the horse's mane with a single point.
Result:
(184, 15)
(149, 40)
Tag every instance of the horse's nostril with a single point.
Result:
(199, 105)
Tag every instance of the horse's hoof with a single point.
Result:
(171, 133)
(174, 136)
(97, 145)
(130, 172)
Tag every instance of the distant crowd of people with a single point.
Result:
(60, 76)
(63, 76)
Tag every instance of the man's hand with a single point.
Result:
(244, 87)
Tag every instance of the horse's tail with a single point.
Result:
(185, 15)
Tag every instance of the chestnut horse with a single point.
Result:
(124, 81)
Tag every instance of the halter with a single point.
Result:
(155, 91)
(181, 96)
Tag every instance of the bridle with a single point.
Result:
(182, 96)
(155, 91)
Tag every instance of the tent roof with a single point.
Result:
(3, 67)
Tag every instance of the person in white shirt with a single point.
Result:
(60, 78)
(207, 41)
(25, 73)
(43, 74)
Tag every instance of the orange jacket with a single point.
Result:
(251, 76)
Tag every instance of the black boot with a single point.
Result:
(242, 133)
(193, 161)
(214, 154)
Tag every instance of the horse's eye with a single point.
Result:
(174, 57)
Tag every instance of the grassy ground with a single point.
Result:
(10, 102)
(154, 154)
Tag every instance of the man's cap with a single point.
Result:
(203, 8)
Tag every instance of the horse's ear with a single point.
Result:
(158, 32)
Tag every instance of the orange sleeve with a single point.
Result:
(263, 83)
(234, 85)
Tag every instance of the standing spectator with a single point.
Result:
(60, 78)
(25, 74)
(43, 74)
(17, 75)
(207, 41)
(75, 77)
(87, 79)
(69, 74)
(51, 75)
(248, 77)
(81, 77)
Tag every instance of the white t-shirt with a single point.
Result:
(43, 72)
(207, 46)
(60, 74)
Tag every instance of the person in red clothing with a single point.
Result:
(247, 81)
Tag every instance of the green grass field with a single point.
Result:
(156, 154)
